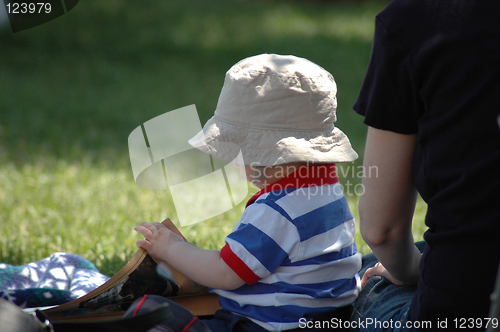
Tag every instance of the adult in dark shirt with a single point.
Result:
(431, 98)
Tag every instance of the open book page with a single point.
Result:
(141, 275)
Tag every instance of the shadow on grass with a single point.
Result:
(76, 87)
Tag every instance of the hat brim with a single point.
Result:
(265, 147)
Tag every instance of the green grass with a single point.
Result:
(72, 90)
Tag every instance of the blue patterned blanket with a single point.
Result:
(55, 280)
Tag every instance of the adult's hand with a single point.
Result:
(379, 270)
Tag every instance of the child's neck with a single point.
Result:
(264, 176)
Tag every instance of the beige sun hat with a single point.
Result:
(277, 109)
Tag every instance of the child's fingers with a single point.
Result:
(157, 225)
(145, 229)
(147, 225)
(142, 230)
(144, 244)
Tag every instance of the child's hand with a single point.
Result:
(157, 239)
(204, 267)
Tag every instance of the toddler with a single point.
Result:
(291, 258)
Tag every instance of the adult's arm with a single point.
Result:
(387, 206)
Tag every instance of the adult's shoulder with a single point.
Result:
(405, 15)
(402, 13)
(410, 21)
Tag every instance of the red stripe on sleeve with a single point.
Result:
(238, 266)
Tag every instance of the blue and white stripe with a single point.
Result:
(300, 242)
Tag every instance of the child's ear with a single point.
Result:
(259, 174)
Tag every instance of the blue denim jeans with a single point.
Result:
(382, 306)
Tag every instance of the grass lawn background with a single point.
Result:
(72, 90)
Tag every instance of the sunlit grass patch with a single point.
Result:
(89, 210)
(78, 208)
(74, 89)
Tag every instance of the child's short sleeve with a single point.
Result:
(260, 242)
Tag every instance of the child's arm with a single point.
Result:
(204, 267)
